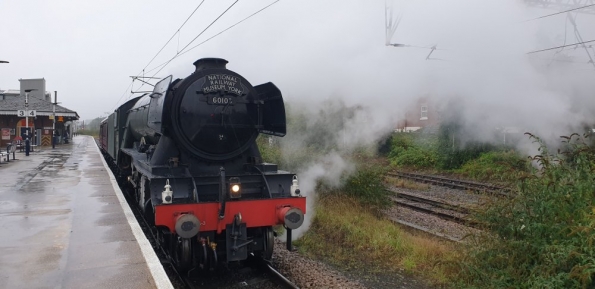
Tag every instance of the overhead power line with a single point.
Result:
(578, 43)
(560, 5)
(199, 34)
(184, 50)
(172, 37)
(158, 52)
(123, 94)
(562, 60)
(561, 12)
(219, 33)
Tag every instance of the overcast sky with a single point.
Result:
(86, 50)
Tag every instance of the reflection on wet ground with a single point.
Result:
(61, 224)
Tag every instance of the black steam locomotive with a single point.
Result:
(188, 153)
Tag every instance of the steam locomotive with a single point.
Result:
(188, 153)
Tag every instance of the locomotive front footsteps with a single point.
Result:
(188, 152)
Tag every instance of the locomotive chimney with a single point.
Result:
(210, 63)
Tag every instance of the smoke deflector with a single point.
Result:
(273, 109)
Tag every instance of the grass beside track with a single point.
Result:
(356, 238)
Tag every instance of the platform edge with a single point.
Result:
(157, 272)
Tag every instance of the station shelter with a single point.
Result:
(40, 109)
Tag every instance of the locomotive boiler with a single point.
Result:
(188, 153)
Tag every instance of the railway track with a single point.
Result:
(454, 183)
(261, 274)
(282, 280)
(454, 209)
(443, 210)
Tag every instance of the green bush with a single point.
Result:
(92, 132)
(403, 140)
(412, 150)
(448, 149)
(366, 185)
(544, 236)
(454, 147)
(413, 157)
(269, 152)
(449, 158)
(495, 166)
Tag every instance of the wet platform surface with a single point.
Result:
(62, 225)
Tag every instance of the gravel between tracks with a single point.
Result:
(308, 273)
(452, 196)
(434, 223)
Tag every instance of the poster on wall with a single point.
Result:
(5, 134)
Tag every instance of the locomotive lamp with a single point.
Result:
(295, 187)
(235, 188)
(167, 194)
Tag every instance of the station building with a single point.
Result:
(424, 112)
(13, 121)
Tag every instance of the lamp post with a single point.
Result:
(27, 141)
(27, 108)
(54, 124)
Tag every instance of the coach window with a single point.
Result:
(424, 112)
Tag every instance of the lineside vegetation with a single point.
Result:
(92, 127)
(541, 238)
(349, 229)
(350, 232)
(93, 133)
(544, 236)
(447, 151)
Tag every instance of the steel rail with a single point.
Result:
(436, 203)
(188, 281)
(418, 206)
(424, 230)
(453, 183)
(281, 280)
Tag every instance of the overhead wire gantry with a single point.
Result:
(391, 25)
(572, 8)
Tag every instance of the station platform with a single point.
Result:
(64, 223)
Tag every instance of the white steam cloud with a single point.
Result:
(329, 54)
(328, 169)
(484, 73)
